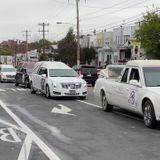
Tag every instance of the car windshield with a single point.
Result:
(29, 70)
(8, 70)
(152, 76)
(89, 70)
(114, 71)
(62, 73)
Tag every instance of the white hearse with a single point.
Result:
(136, 90)
(56, 79)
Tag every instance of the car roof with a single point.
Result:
(53, 64)
(144, 63)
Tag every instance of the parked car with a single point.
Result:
(111, 71)
(136, 90)
(56, 79)
(23, 74)
(87, 72)
(7, 73)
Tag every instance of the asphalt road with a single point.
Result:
(35, 128)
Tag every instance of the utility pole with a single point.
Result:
(78, 45)
(43, 31)
(26, 35)
(78, 36)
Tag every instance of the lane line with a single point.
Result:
(25, 150)
(2, 90)
(11, 125)
(96, 106)
(48, 152)
(90, 104)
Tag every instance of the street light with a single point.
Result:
(65, 23)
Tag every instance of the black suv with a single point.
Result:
(87, 72)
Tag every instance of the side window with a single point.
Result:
(125, 75)
(134, 74)
(42, 71)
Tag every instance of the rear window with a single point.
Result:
(89, 70)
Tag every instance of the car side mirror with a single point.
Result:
(135, 83)
(44, 75)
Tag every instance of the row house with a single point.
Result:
(117, 46)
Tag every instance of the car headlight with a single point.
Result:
(54, 85)
(85, 85)
(3, 76)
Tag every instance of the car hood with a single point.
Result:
(8, 73)
(67, 79)
(154, 90)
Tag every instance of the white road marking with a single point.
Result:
(11, 125)
(96, 106)
(2, 90)
(21, 89)
(12, 89)
(25, 150)
(90, 104)
(9, 133)
(48, 152)
(62, 110)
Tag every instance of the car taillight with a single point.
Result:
(80, 74)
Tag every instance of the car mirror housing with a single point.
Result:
(135, 83)
(44, 75)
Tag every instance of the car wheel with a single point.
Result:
(33, 91)
(48, 96)
(16, 84)
(26, 83)
(83, 97)
(149, 114)
(105, 106)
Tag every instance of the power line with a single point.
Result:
(93, 17)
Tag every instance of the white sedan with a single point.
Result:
(55, 79)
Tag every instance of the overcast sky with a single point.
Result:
(19, 15)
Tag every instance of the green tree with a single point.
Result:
(67, 49)
(149, 34)
(6, 51)
(87, 55)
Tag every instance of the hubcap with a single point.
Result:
(147, 115)
(47, 91)
(104, 102)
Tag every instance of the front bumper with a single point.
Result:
(55, 92)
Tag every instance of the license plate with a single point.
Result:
(72, 92)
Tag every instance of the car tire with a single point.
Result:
(82, 97)
(16, 84)
(48, 96)
(33, 91)
(106, 107)
(149, 115)
(26, 83)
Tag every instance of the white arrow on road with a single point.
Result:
(62, 110)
